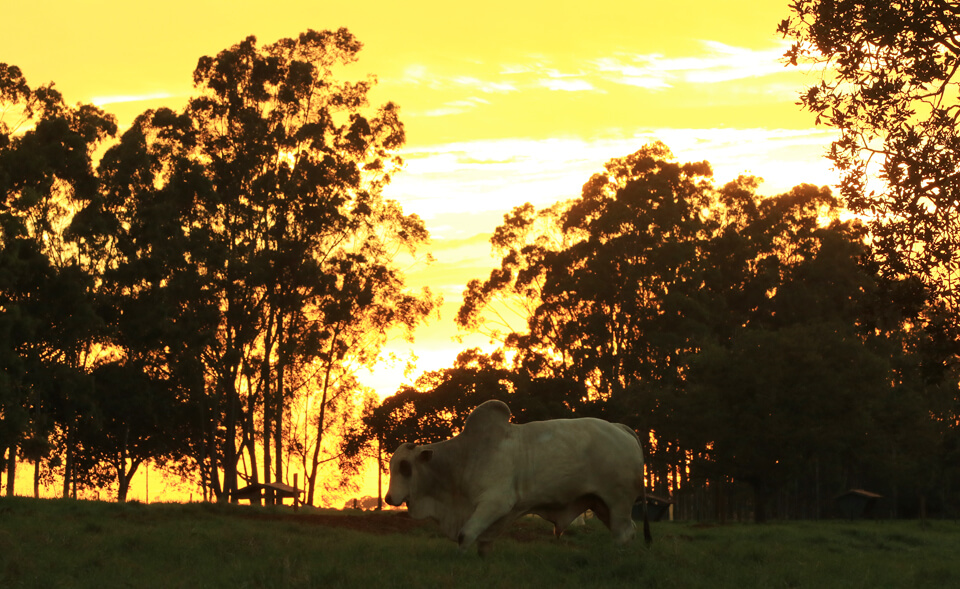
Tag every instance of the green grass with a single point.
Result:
(63, 544)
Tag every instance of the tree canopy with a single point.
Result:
(889, 85)
(237, 255)
(48, 325)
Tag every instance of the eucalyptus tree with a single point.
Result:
(608, 286)
(49, 325)
(255, 250)
(604, 275)
(742, 331)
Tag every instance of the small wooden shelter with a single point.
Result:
(258, 490)
(857, 503)
(656, 508)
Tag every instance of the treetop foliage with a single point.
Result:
(889, 84)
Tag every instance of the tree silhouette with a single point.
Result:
(132, 419)
(889, 85)
(755, 337)
(609, 283)
(795, 374)
(49, 325)
(253, 248)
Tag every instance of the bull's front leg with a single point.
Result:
(486, 514)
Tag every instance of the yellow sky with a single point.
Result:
(504, 101)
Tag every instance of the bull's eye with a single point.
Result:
(405, 469)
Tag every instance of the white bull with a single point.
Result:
(476, 483)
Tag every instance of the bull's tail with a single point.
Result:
(641, 485)
(642, 488)
(647, 537)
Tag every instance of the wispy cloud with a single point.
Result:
(485, 86)
(455, 107)
(567, 84)
(619, 71)
(421, 75)
(486, 83)
(124, 98)
(718, 63)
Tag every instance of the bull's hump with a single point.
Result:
(491, 414)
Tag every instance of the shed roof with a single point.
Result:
(257, 489)
(859, 493)
(658, 500)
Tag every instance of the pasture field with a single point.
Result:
(64, 544)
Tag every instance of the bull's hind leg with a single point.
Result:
(564, 519)
(621, 522)
(617, 516)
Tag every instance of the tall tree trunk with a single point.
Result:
(267, 436)
(250, 445)
(123, 483)
(267, 391)
(315, 465)
(12, 469)
(123, 487)
(760, 503)
(229, 453)
(248, 437)
(68, 462)
(213, 459)
(278, 410)
(379, 472)
(125, 477)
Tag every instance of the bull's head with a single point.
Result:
(404, 476)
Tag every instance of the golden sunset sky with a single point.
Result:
(504, 101)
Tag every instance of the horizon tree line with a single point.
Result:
(201, 296)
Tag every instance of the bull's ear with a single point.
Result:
(425, 456)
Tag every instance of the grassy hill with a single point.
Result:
(62, 544)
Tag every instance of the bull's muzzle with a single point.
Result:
(390, 501)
